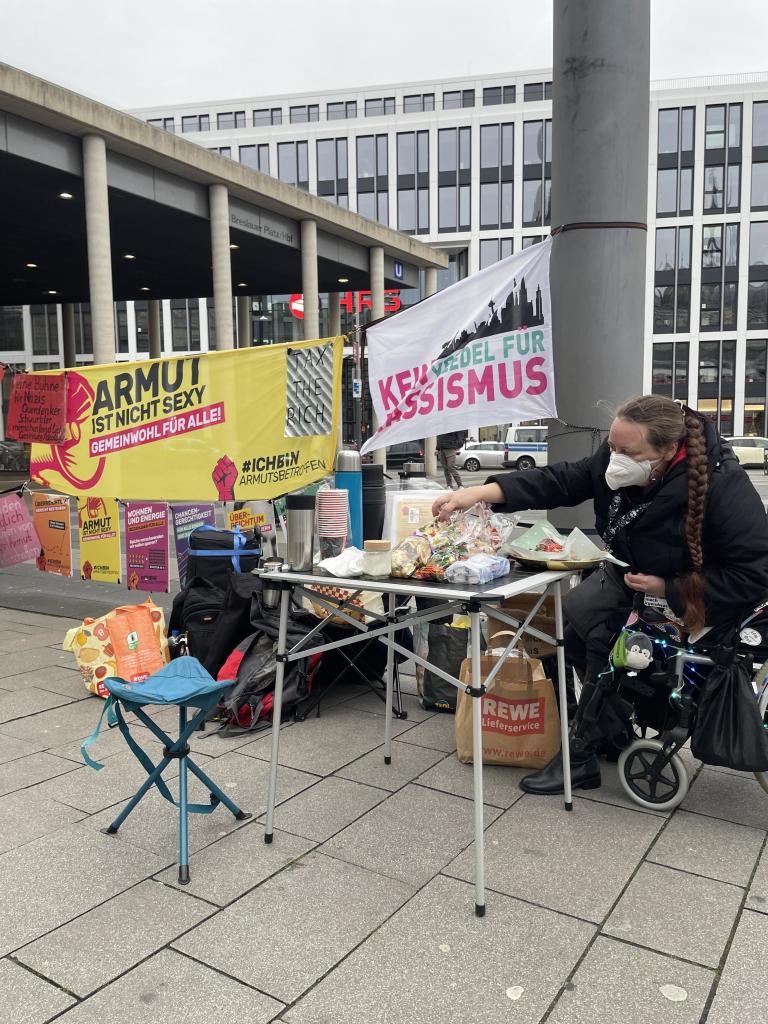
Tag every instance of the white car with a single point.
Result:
(477, 455)
(525, 447)
(748, 450)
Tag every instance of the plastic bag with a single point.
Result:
(348, 563)
(477, 569)
(436, 546)
(729, 730)
(408, 556)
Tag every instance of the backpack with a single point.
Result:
(215, 554)
(215, 620)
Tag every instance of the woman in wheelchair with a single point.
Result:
(670, 500)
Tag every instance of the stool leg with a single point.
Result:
(217, 794)
(183, 834)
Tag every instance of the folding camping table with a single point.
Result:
(450, 598)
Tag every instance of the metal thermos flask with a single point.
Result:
(270, 597)
(300, 526)
(349, 477)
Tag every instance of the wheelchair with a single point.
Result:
(660, 700)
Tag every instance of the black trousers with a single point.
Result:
(594, 612)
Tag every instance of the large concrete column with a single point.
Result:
(430, 443)
(334, 330)
(218, 199)
(309, 278)
(376, 264)
(99, 251)
(68, 333)
(155, 334)
(244, 328)
(599, 174)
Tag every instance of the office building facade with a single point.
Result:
(465, 165)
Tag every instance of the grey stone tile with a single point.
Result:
(322, 811)
(437, 733)
(240, 861)
(92, 950)
(731, 797)
(36, 639)
(323, 745)
(286, 934)
(370, 702)
(611, 792)
(210, 742)
(170, 987)
(90, 790)
(757, 896)
(23, 621)
(154, 824)
(28, 999)
(619, 982)
(742, 992)
(110, 742)
(29, 701)
(408, 762)
(500, 783)
(540, 852)
(435, 962)
(707, 846)
(60, 725)
(411, 836)
(11, 748)
(59, 876)
(55, 680)
(18, 662)
(664, 909)
(29, 770)
(25, 816)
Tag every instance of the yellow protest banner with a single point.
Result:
(98, 520)
(227, 426)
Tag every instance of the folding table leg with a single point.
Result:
(282, 634)
(477, 764)
(389, 681)
(183, 823)
(567, 795)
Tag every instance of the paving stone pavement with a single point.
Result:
(361, 910)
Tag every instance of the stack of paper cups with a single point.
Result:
(332, 522)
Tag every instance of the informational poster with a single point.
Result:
(50, 514)
(99, 525)
(220, 426)
(473, 355)
(37, 410)
(18, 540)
(146, 546)
(187, 518)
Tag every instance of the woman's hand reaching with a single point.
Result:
(464, 498)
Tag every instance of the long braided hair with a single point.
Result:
(667, 423)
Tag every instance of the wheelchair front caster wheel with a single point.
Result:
(659, 789)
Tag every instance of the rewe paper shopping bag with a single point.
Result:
(521, 725)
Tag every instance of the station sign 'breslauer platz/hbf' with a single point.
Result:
(352, 302)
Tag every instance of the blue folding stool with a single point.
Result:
(186, 684)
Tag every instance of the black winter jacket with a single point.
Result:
(735, 532)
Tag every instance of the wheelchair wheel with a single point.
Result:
(762, 699)
(659, 791)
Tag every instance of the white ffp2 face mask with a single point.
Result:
(625, 472)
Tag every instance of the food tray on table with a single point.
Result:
(558, 564)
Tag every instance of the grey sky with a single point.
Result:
(133, 53)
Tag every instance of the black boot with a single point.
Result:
(585, 771)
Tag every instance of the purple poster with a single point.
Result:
(18, 540)
(187, 518)
(146, 546)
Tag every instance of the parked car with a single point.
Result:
(481, 455)
(749, 450)
(14, 456)
(525, 448)
(406, 451)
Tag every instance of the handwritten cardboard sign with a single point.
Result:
(18, 540)
(37, 411)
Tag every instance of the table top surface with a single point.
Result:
(518, 581)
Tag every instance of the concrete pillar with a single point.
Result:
(155, 334)
(68, 333)
(376, 263)
(430, 443)
(599, 173)
(99, 251)
(218, 199)
(244, 328)
(309, 278)
(334, 330)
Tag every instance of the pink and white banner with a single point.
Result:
(476, 354)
